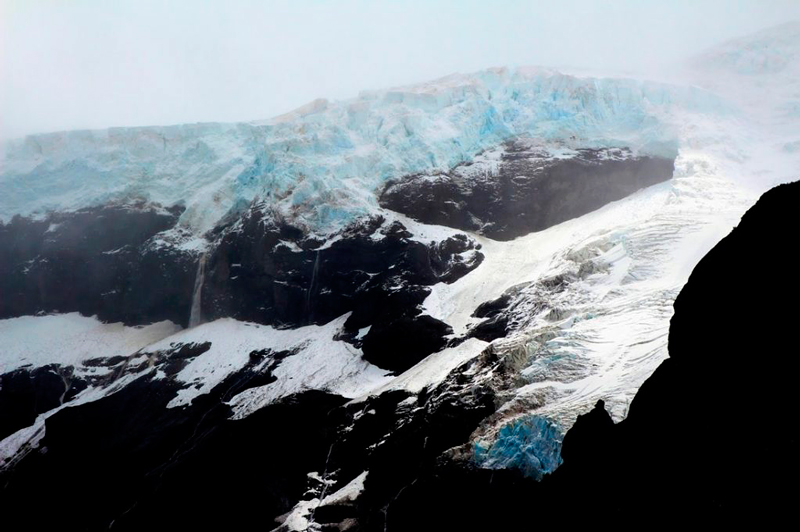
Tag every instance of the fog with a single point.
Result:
(93, 64)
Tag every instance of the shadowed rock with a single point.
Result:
(528, 189)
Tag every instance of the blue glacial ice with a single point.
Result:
(321, 164)
(530, 444)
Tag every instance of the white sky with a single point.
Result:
(92, 64)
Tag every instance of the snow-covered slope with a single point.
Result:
(71, 339)
(313, 361)
(760, 73)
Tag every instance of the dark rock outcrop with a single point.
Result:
(24, 394)
(128, 462)
(267, 271)
(110, 262)
(95, 261)
(495, 323)
(527, 190)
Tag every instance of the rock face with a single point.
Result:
(521, 187)
(99, 261)
(242, 473)
(267, 271)
(26, 394)
(190, 468)
(122, 263)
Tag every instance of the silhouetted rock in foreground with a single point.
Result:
(713, 431)
(711, 435)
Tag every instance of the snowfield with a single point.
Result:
(70, 339)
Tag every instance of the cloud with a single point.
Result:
(93, 64)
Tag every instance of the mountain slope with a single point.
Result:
(273, 321)
(704, 440)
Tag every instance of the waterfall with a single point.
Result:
(67, 386)
(196, 316)
(324, 481)
(310, 290)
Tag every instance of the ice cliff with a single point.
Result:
(322, 163)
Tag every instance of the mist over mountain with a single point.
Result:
(423, 307)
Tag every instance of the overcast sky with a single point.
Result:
(92, 64)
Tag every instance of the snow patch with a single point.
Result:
(433, 369)
(69, 339)
(349, 492)
(320, 362)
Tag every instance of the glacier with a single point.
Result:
(531, 444)
(321, 165)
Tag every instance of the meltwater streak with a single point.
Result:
(196, 316)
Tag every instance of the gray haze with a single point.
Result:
(94, 64)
